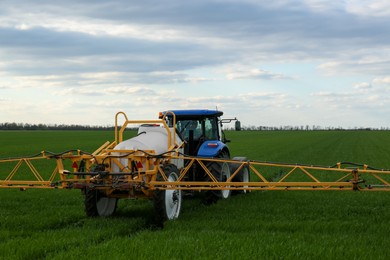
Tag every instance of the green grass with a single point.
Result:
(51, 224)
(314, 147)
(17, 143)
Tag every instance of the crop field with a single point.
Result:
(51, 224)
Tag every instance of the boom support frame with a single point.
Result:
(138, 175)
(142, 167)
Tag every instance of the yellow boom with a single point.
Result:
(109, 174)
(294, 176)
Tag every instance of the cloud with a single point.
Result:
(79, 91)
(254, 74)
(385, 81)
(323, 5)
(92, 91)
(364, 98)
(377, 8)
(93, 81)
(362, 85)
(374, 65)
(256, 96)
(335, 100)
(142, 57)
(39, 51)
(235, 28)
(132, 90)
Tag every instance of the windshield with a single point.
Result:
(203, 128)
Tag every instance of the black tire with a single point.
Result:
(167, 203)
(221, 171)
(242, 176)
(97, 204)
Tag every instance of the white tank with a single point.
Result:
(149, 138)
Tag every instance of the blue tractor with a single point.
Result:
(201, 131)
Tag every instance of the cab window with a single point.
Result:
(185, 126)
(211, 130)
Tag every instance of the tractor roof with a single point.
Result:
(194, 113)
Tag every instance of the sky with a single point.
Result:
(268, 63)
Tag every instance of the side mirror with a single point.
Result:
(238, 125)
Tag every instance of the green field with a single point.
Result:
(40, 224)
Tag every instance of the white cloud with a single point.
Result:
(262, 96)
(371, 65)
(334, 98)
(233, 74)
(93, 91)
(143, 58)
(324, 5)
(362, 85)
(94, 27)
(379, 8)
(385, 80)
(131, 90)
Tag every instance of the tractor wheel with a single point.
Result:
(221, 171)
(242, 175)
(97, 204)
(167, 203)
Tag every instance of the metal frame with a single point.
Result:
(139, 180)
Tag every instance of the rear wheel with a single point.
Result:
(242, 175)
(167, 203)
(97, 204)
(221, 171)
(225, 175)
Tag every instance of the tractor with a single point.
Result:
(203, 136)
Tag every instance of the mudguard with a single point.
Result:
(211, 148)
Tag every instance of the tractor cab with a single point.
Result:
(201, 130)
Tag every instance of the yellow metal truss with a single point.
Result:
(138, 172)
(264, 175)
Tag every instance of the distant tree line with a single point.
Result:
(26, 126)
(307, 128)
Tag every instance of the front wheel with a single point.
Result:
(167, 203)
(97, 204)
